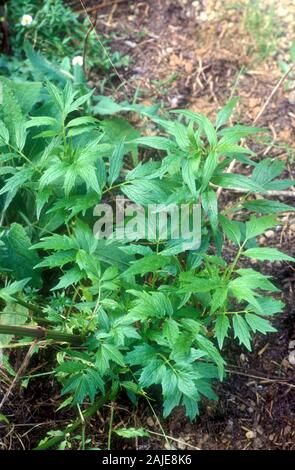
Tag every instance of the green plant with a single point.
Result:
(40, 23)
(263, 26)
(150, 314)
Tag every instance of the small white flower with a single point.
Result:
(26, 20)
(78, 60)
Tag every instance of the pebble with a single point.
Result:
(269, 233)
(287, 430)
(291, 358)
(291, 97)
(150, 422)
(260, 430)
(281, 11)
(258, 443)
(181, 445)
(250, 434)
(203, 16)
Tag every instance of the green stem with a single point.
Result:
(107, 190)
(236, 205)
(231, 268)
(41, 333)
(86, 414)
(83, 426)
(111, 427)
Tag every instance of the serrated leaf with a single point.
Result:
(210, 206)
(257, 323)
(145, 192)
(209, 168)
(221, 328)
(265, 206)
(56, 242)
(203, 122)
(59, 258)
(116, 162)
(235, 181)
(206, 345)
(72, 276)
(231, 229)
(16, 256)
(241, 331)
(171, 330)
(267, 170)
(269, 306)
(155, 142)
(218, 298)
(147, 264)
(257, 225)
(225, 113)
(267, 254)
(188, 175)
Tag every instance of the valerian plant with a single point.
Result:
(137, 316)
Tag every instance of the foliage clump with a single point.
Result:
(150, 314)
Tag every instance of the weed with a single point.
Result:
(135, 313)
(262, 25)
(40, 23)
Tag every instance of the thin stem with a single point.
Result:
(237, 204)
(21, 154)
(107, 190)
(83, 425)
(111, 427)
(231, 268)
(86, 414)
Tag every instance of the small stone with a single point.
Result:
(269, 233)
(250, 435)
(291, 97)
(287, 430)
(258, 443)
(281, 11)
(131, 44)
(203, 16)
(291, 357)
(292, 344)
(260, 430)
(150, 422)
(181, 445)
(243, 357)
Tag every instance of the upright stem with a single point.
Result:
(111, 427)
